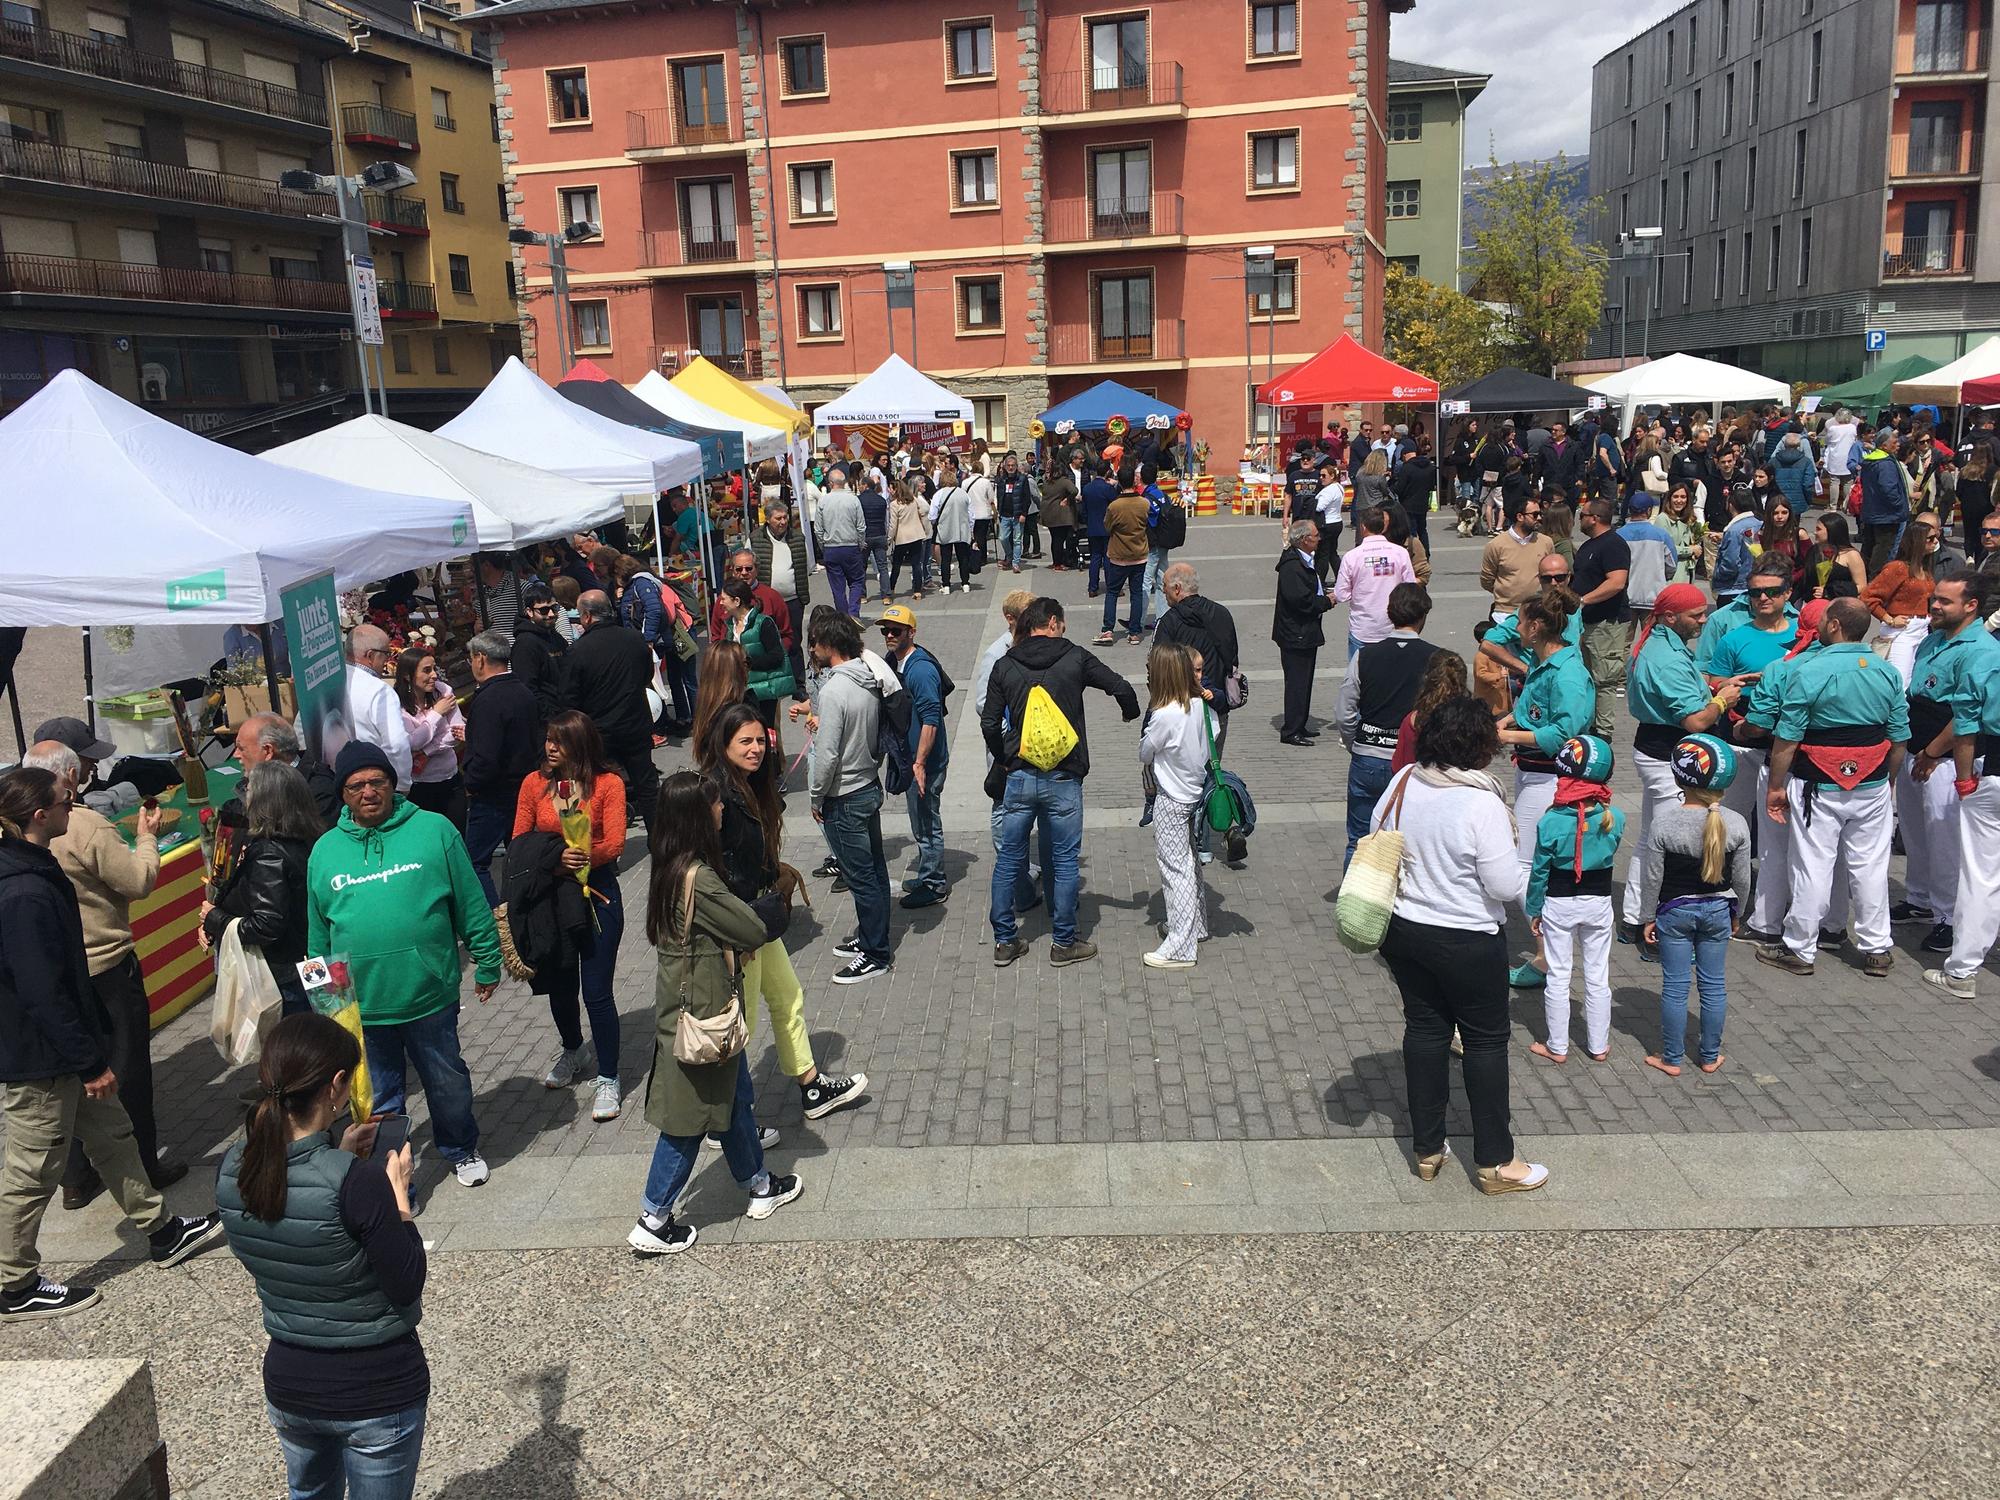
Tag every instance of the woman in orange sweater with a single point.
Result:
(574, 768)
(1900, 596)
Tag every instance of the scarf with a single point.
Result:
(1582, 795)
(1808, 637)
(1673, 599)
(1444, 777)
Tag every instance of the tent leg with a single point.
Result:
(89, 684)
(270, 669)
(13, 692)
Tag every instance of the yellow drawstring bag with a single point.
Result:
(1047, 736)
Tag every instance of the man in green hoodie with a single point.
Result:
(391, 888)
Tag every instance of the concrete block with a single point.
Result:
(1038, 1176)
(1179, 1173)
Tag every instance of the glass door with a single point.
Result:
(1122, 192)
(1934, 137)
(701, 107)
(1930, 235)
(708, 220)
(1125, 317)
(1118, 63)
(1940, 36)
(718, 327)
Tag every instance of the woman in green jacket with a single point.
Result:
(771, 679)
(702, 933)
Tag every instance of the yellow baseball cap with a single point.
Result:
(899, 614)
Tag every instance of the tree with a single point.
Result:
(1443, 333)
(1527, 259)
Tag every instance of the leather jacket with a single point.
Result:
(267, 890)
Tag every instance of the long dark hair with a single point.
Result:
(300, 1058)
(406, 680)
(725, 678)
(758, 790)
(25, 791)
(575, 734)
(683, 836)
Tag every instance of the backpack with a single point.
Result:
(1167, 525)
(899, 761)
(1047, 736)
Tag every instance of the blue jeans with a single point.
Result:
(927, 832)
(1694, 938)
(680, 680)
(1011, 529)
(432, 1045)
(854, 831)
(1052, 802)
(365, 1458)
(1367, 779)
(1097, 559)
(674, 1155)
(1124, 578)
(1026, 896)
(487, 825)
(1156, 564)
(592, 976)
(877, 550)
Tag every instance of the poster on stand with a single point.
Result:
(319, 667)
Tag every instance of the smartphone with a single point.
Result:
(392, 1132)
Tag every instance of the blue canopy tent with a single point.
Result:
(1103, 401)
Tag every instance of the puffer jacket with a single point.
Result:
(1793, 468)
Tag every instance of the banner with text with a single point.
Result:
(319, 667)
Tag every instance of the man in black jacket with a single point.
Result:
(1203, 626)
(1032, 796)
(1296, 626)
(609, 670)
(538, 650)
(503, 743)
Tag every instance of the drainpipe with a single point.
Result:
(770, 185)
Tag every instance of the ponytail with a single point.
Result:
(1714, 834)
(300, 1058)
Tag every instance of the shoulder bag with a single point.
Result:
(704, 1041)
(1367, 896)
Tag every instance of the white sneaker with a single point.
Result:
(566, 1067)
(471, 1172)
(767, 1138)
(605, 1105)
(778, 1191)
(1158, 960)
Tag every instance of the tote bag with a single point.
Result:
(247, 1001)
(1367, 896)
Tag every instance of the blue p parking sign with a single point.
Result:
(1877, 340)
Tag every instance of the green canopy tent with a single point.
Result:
(1870, 393)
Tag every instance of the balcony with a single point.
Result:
(1083, 346)
(105, 171)
(1086, 222)
(407, 299)
(694, 247)
(663, 134)
(1935, 156)
(745, 364)
(1915, 257)
(444, 122)
(392, 214)
(374, 125)
(61, 276)
(1943, 57)
(118, 62)
(1152, 93)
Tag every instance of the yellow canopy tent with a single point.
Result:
(709, 383)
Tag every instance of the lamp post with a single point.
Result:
(363, 296)
(583, 229)
(1260, 278)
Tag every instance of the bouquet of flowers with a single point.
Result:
(329, 984)
(575, 819)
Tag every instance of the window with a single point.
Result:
(195, 370)
(1694, 124)
(1749, 254)
(1631, 70)
(1687, 278)
(1660, 219)
(1756, 90)
(218, 256)
(975, 179)
(1715, 190)
(125, 140)
(1666, 130)
(138, 247)
(1722, 31)
(989, 419)
(1274, 161)
(979, 304)
(1940, 37)
(1668, 78)
(21, 12)
(1118, 58)
(399, 352)
(448, 193)
(819, 312)
(26, 122)
(802, 65)
(1694, 40)
(708, 220)
(715, 324)
(970, 46)
(461, 274)
(1624, 212)
(701, 101)
(493, 115)
(106, 26)
(497, 354)
(569, 96)
(1756, 20)
(1405, 199)
(1687, 192)
(505, 213)
(203, 154)
(279, 72)
(1277, 296)
(1777, 254)
(1805, 249)
(1799, 164)
(812, 190)
(1721, 266)
(593, 325)
(579, 206)
(1750, 181)
(294, 268)
(1121, 191)
(1728, 103)
(1406, 120)
(1274, 29)
(192, 50)
(441, 353)
(1414, 264)
(1123, 302)
(1632, 145)
(1814, 71)
(441, 110)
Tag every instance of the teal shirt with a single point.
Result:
(1665, 686)
(1749, 649)
(1985, 690)
(1557, 700)
(1767, 693)
(1555, 848)
(1839, 686)
(1721, 620)
(1949, 670)
(1506, 634)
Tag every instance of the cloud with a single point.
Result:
(1540, 53)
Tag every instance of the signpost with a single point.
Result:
(1876, 340)
(367, 300)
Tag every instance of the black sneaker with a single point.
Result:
(840, 886)
(778, 1191)
(1903, 912)
(1940, 939)
(918, 900)
(848, 947)
(45, 1299)
(1832, 937)
(178, 1238)
(831, 1091)
(1749, 934)
(859, 969)
(651, 1236)
(827, 868)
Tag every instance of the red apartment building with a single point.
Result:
(1074, 184)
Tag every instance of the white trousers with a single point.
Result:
(1927, 812)
(1534, 794)
(1180, 876)
(1903, 646)
(1978, 921)
(1853, 824)
(1774, 873)
(1578, 928)
(1658, 792)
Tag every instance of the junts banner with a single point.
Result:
(319, 669)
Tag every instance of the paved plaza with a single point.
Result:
(1105, 1230)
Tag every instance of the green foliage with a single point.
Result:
(1441, 333)
(1529, 259)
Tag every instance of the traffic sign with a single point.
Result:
(1877, 340)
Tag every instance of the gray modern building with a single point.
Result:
(1774, 178)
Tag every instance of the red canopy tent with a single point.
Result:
(1346, 374)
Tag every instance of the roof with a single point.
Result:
(270, 15)
(1424, 75)
(381, 18)
(1345, 373)
(512, 9)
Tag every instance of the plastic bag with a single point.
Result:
(247, 1000)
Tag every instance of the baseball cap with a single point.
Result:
(77, 736)
(899, 614)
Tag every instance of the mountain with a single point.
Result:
(1574, 175)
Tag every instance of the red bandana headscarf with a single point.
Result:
(1582, 795)
(1674, 599)
(1809, 617)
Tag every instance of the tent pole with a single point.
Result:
(270, 671)
(89, 684)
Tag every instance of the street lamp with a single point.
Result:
(1260, 279)
(581, 229)
(364, 297)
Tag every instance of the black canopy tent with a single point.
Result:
(1512, 390)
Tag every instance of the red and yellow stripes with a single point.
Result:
(177, 969)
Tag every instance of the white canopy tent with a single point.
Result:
(512, 504)
(1945, 386)
(775, 393)
(1684, 380)
(519, 416)
(660, 393)
(896, 392)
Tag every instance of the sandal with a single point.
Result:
(1104, 638)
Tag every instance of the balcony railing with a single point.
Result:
(74, 166)
(658, 129)
(698, 245)
(1914, 256)
(378, 124)
(1935, 156)
(394, 212)
(1126, 217)
(407, 299)
(1112, 88)
(444, 122)
(61, 276)
(1965, 54)
(745, 364)
(123, 63)
(1081, 344)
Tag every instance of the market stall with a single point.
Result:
(1683, 380)
(1870, 393)
(714, 386)
(722, 450)
(1346, 373)
(760, 440)
(1511, 390)
(1092, 410)
(1946, 385)
(896, 394)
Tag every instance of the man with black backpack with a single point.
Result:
(1166, 529)
(923, 742)
(842, 776)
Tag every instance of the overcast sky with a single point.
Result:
(1540, 54)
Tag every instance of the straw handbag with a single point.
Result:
(1368, 890)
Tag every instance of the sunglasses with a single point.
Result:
(1768, 593)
